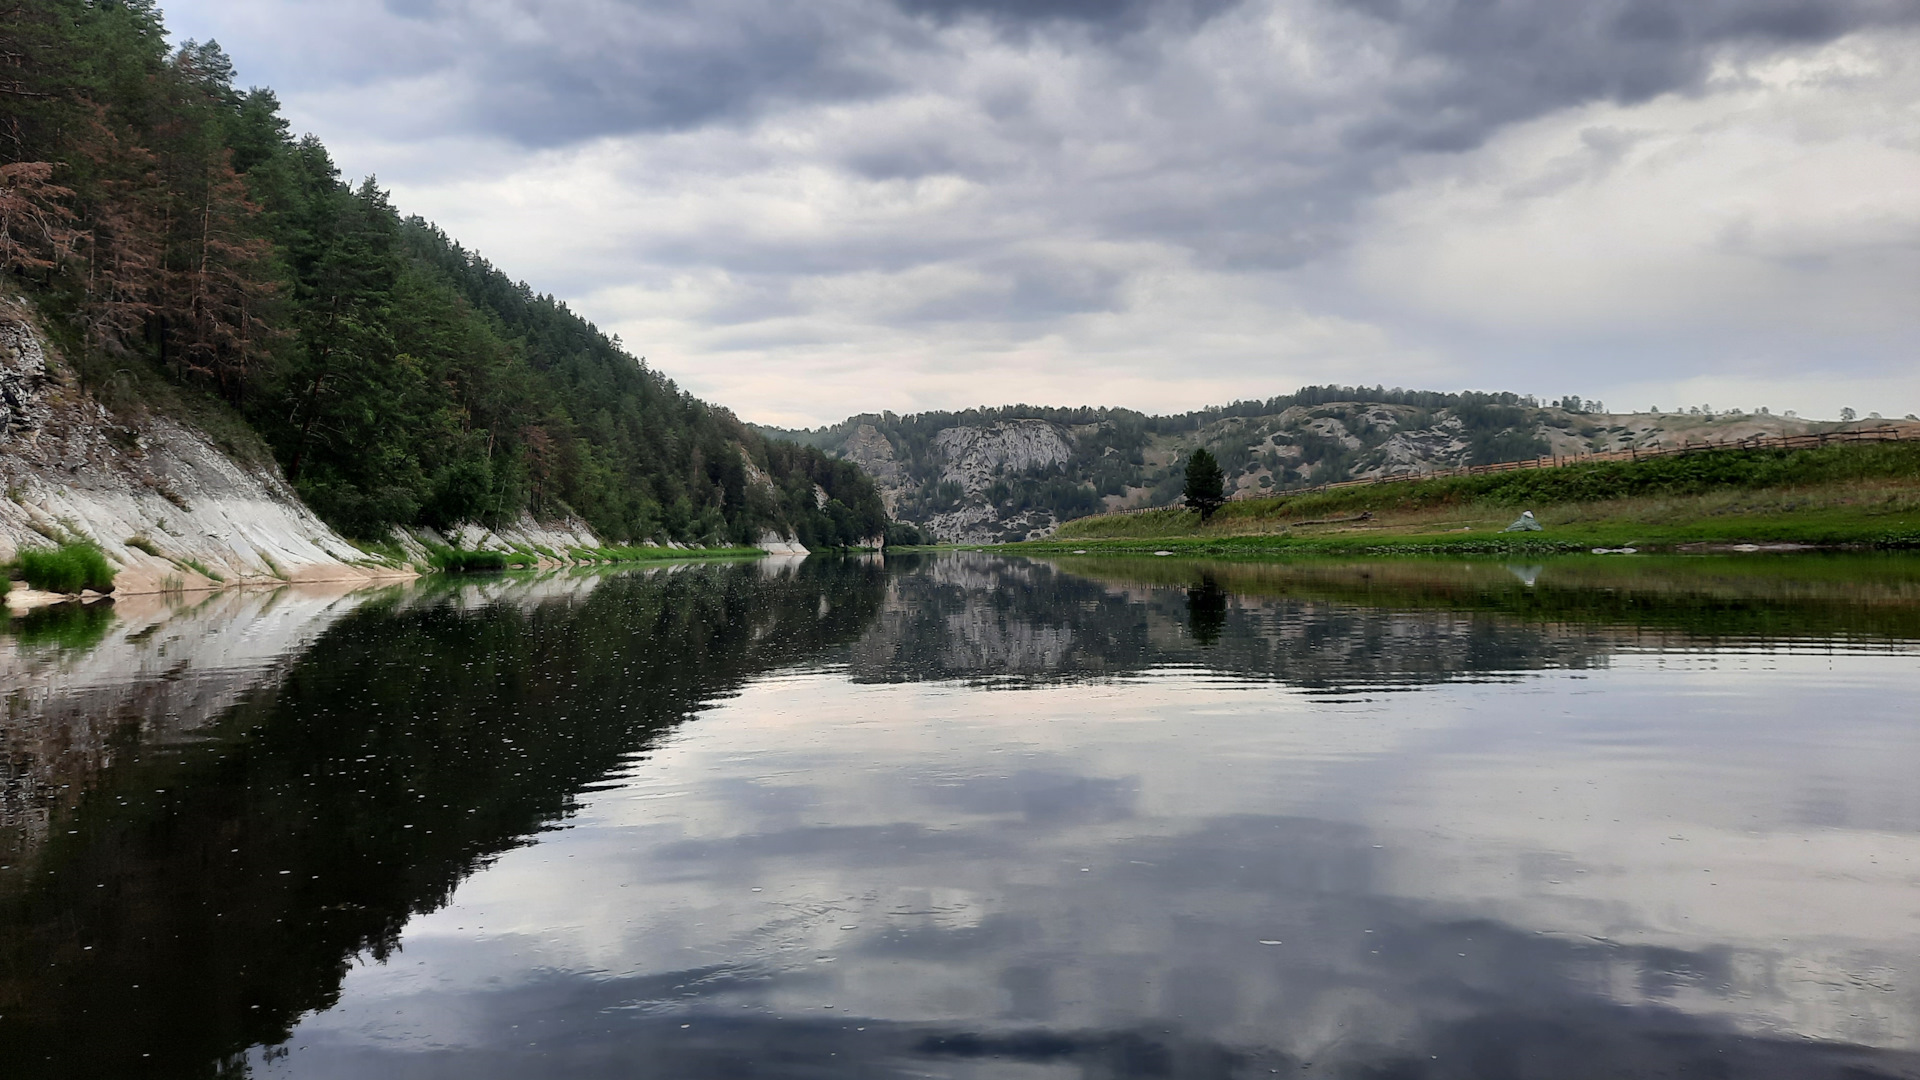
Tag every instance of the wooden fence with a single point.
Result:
(1910, 433)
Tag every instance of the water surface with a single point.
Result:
(967, 816)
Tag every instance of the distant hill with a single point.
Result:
(1015, 473)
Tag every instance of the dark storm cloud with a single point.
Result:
(1108, 16)
(1018, 287)
(1269, 181)
(621, 66)
(671, 66)
(1509, 60)
(600, 67)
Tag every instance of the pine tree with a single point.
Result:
(36, 227)
(1206, 484)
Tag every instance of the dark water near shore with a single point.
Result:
(972, 816)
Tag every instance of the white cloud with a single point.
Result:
(1761, 237)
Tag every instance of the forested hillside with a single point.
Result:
(186, 246)
(1015, 472)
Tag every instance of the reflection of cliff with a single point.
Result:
(149, 674)
(971, 615)
(406, 743)
(160, 670)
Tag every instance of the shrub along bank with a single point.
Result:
(69, 568)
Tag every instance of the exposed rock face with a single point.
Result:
(775, 544)
(756, 476)
(771, 542)
(870, 450)
(551, 541)
(979, 523)
(1329, 427)
(975, 456)
(191, 512)
(25, 384)
(1409, 452)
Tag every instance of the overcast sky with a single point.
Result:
(807, 210)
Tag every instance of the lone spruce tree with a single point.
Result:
(1206, 484)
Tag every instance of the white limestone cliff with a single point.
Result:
(169, 508)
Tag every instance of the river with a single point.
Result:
(966, 815)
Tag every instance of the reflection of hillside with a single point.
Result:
(977, 616)
(982, 617)
(406, 744)
(1697, 598)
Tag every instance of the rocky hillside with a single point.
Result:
(1015, 473)
(170, 509)
(175, 509)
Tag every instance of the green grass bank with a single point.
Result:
(69, 568)
(1849, 496)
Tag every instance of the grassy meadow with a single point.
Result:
(1838, 496)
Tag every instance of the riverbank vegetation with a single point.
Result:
(197, 258)
(1846, 495)
(448, 560)
(70, 568)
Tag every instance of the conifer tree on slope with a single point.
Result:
(1206, 484)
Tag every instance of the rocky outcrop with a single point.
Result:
(870, 450)
(774, 544)
(976, 456)
(550, 542)
(973, 524)
(980, 523)
(1330, 427)
(972, 457)
(26, 385)
(1412, 452)
(171, 510)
